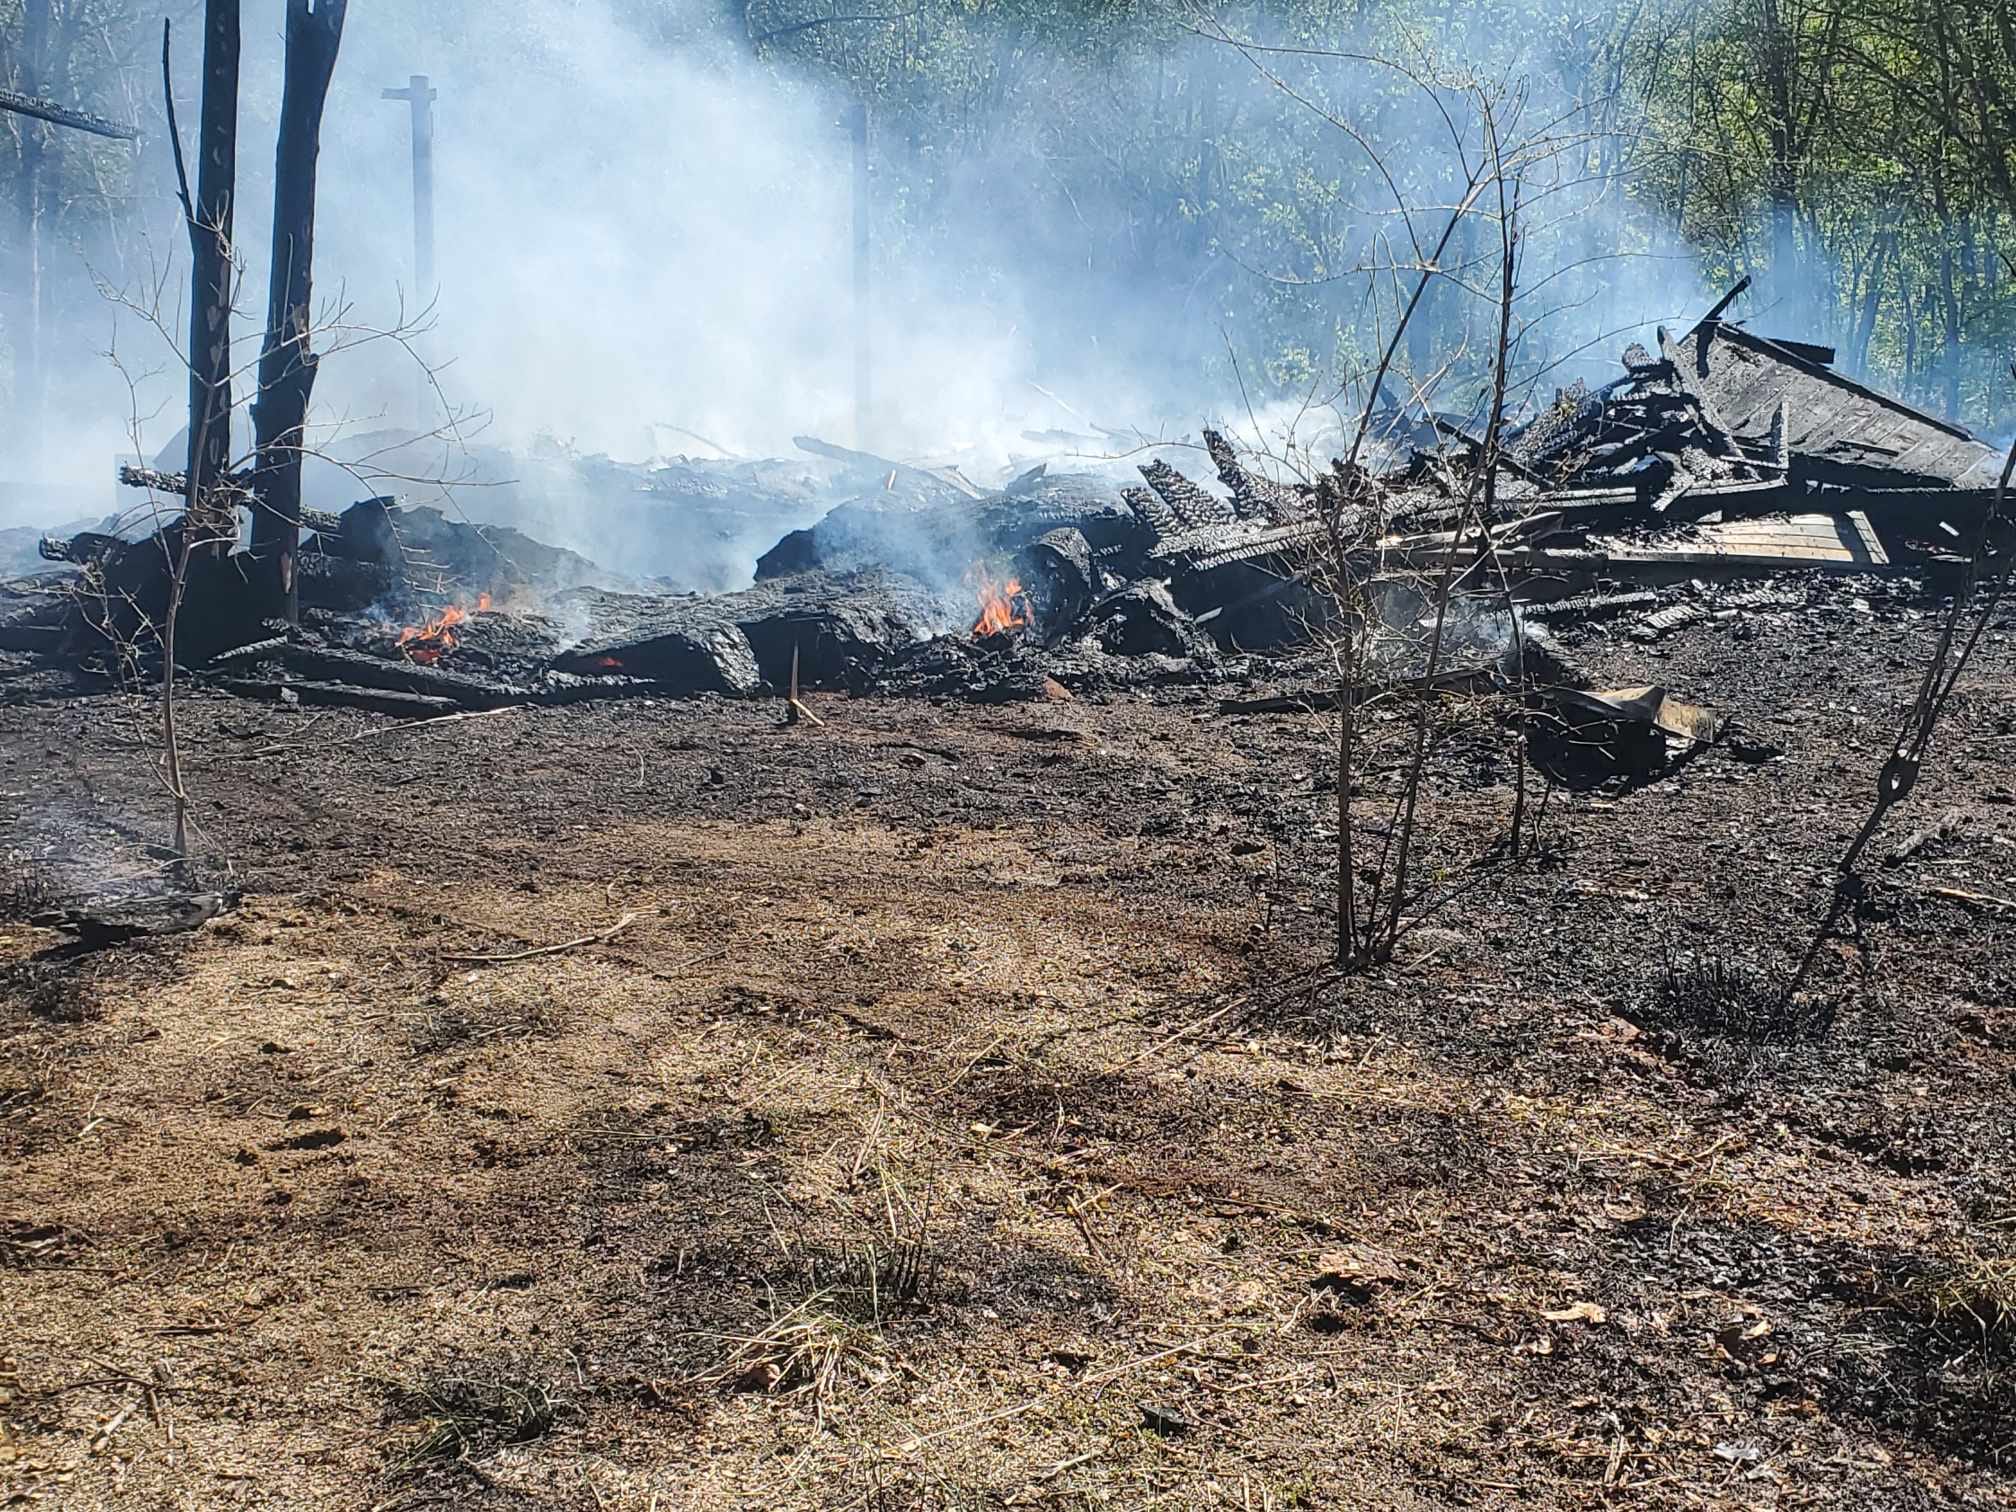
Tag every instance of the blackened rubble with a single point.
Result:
(1722, 464)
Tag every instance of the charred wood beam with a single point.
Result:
(1812, 351)
(233, 491)
(343, 696)
(63, 115)
(1476, 447)
(1214, 546)
(97, 923)
(325, 523)
(153, 478)
(1254, 497)
(1726, 300)
(286, 362)
(252, 651)
(38, 625)
(1157, 518)
(1720, 441)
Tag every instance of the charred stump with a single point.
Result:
(286, 362)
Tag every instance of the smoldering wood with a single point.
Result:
(744, 642)
(712, 658)
(84, 549)
(1761, 459)
(1254, 497)
(940, 540)
(1193, 505)
(327, 580)
(336, 665)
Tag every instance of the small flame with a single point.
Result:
(426, 643)
(1002, 605)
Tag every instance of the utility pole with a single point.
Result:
(857, 126)
(421, 97)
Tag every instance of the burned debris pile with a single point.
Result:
(1722, 466)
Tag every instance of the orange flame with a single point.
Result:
(1002, 605)
(425, 643)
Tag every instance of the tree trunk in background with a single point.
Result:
(1879, 269)
(1910, 330)
(210, 253)
(28, 376)
(286, 362)
(1948, 298)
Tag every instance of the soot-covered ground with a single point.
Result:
(961, 1118)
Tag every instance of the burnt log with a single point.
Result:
(431, 551)
(1157, 519)
(341, 695)
(332, 664)
(340, 583)
(939, 543)
(84, 549)
(58, 114)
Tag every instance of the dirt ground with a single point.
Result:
(960, 1116)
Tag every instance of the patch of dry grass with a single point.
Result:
(808, 1350)
(1974, 1291)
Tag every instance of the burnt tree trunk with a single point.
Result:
(286, 361)
(210, 253)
